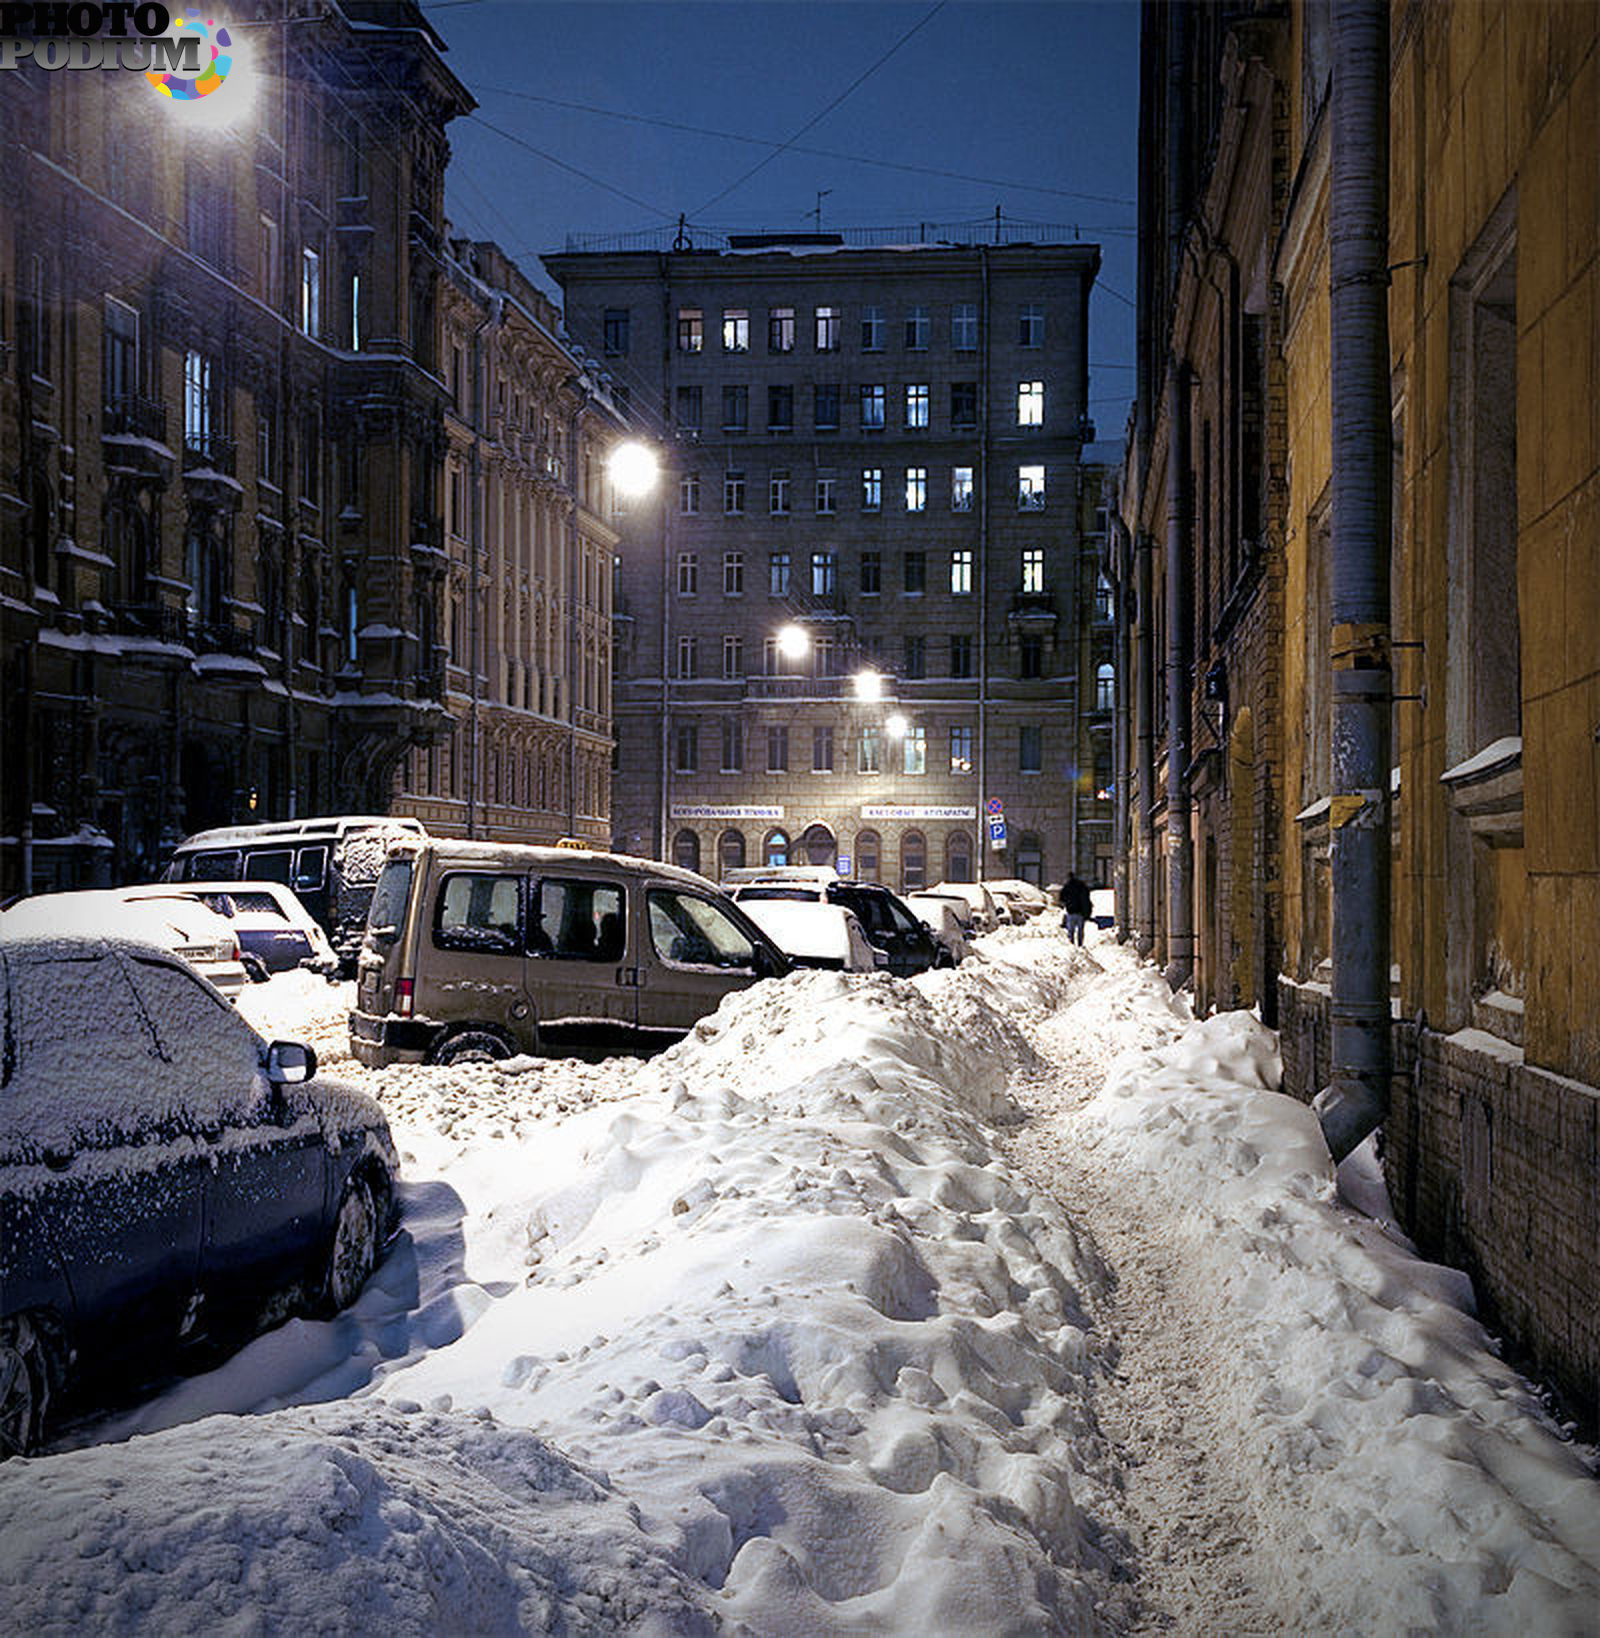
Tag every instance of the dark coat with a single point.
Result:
(1075, 898)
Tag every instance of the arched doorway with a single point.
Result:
(775, 850)
(869, 850)
(817, 846)
(913, 861)
(686, 850)
(730, 851)
(958, 857)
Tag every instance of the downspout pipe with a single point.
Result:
(475, 627)
(1356, 1099)
(1180, 662)
(1117, 574)
(1145, 661)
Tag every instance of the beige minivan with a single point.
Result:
(481, 950)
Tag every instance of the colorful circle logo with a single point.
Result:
(216, 48)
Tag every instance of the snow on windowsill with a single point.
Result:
(1502, 753)
(1491, 1046)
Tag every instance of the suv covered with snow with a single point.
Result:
(485, 950)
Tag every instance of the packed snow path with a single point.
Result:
(1008, 1300)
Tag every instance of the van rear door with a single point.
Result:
(582, 964)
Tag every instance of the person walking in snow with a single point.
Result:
(1075, 901)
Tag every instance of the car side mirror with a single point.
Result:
(289, 1063)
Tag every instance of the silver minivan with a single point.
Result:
(481, 950)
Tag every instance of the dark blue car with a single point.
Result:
(166, 1177)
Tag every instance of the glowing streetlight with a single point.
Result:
(895, 726)
(868, 685)
(794, 642)
(634, 468)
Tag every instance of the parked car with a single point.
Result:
(331, 865)
(1024, 898)
(480, 951)
(890, 926)
(813, 934)
(157, 915)
(941, 917)
(986, 913)
(274, 928)
(167, 1178)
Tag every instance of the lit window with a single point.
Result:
(691, 330)
(872, 329)
(964, 326)
(735, 330)
(688, 656)
(733, 493)
(961, 573)
(1030, 488)
(917, 404)
(780, 330)
(688, 573)
(778, 490)
(310, 292)
(355, 312)
(961, 749)
(1102, 598)
(1033, 568)
(732, 657)
(1030, 325)
(827, 494)
(872, 489)
(1030, 403)
(916, 750)
(824, 574)
(916, 489)
(1105, 688)
(961, 489)
(733, 574)
(1030, 748)
(870, 750)
(689, 494)
(827, 329)
(873, 400)
(917, 329)
(778, 574)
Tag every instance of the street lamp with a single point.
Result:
(868, 685)
(794, 642)
(895, 725)
(634, 468)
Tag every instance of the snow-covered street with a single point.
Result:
(1005, 1299)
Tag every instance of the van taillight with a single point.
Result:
(404, 993)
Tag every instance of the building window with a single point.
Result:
(777, 749)
(963, 406)
(917, 329)
(1102, 598)
(825, 401)
(688, 657)
(873, 399)
(870, 750)
(958, 857)
(119, 359)
(913, 861)
(916, 404)
(915, 665)
(871, 573)
(780, 330)
(1105, 687)
(964, 327)
(732, 657)
(961, 652)
(1030, 658)
(868, 851)
(916, 489)
(825, 653)
(961, 748)
(686, 755)
(732, 747)
(822, 748)
(199, 401)
(1030, 325)
(775, 849)
(961, 489)
(688, 574)
(915, 747)
(355, 312)
(778, 574)
(1030, 488)
(267, 263)
(1030, 403)
(1030, 748)
(733, 574)
(689, 494)
(310, 292)
(1033, 569)
(691, 330)
(872, 329)
(691, 407)
(914, 573)
(827, 494)
(824, 574)
(616, 332)
(961, 572)
(780, 409)
(827, 329)
(1030, 859)
(730, 847)
(735, 408)
(872, 489)
(735, 330)
(686, 848)
(733, 493)
(778, 491)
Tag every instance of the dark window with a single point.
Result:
(961, 651)
(480, 913)
(735, 408)
(616, 331)
(963, 405)
(916, 656)
(1031, 657)
(871, 573)
(915, 570)
(578, 921)
(826, 399)
(780, 409)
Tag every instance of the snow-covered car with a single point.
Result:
(158, 915)
(889, 925)
(814, 934)
(167, 1177)
(986, 913)
(1024, 899)
(941, 917)
(272, 925)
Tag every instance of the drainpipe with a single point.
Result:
(1145, 910)
(980, 830)
(1119, 718)
(1180, 659)
(1356, 1098)
(493, 317)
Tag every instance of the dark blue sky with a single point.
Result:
(1038, 98)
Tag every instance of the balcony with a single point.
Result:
(1032, 611)
(133, 431)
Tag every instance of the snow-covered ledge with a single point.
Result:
(1486, 790)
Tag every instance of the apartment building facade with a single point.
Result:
(872, 469)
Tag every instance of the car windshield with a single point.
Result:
(388, 906)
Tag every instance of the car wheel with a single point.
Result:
(944, 959)
(354, 1252)
(28, 1373)
(255, 968)
(472, 1046)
